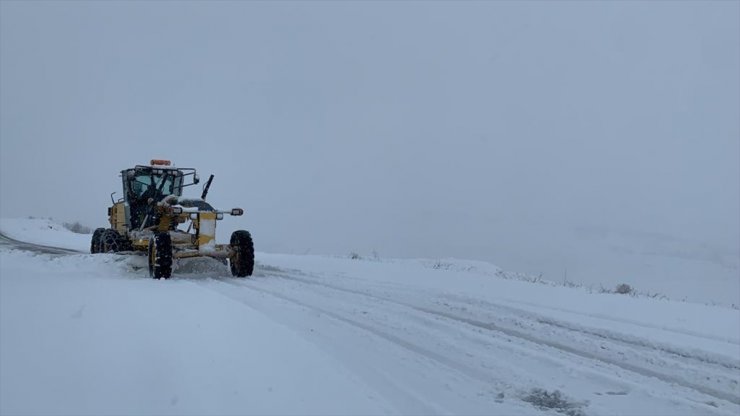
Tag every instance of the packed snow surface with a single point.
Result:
(92, 334)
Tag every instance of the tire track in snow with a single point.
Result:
(490, 326)
(719, 394)
(469, 372)
(628, 321)
(488, 307)
(703, 358)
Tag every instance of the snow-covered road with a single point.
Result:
(91, 334)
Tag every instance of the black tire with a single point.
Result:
(241, 260)
(113, 242)
(160, 256)
(95, 242)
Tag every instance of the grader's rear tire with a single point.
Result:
(241, 260)
(113, 242)
(160, 256)
(95, 242)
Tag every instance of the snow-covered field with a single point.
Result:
(92, 334)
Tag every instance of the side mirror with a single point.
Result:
(196, 179)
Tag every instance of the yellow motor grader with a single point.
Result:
(149, 216)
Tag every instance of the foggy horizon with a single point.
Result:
(520, 133)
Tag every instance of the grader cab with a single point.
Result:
(152, 212)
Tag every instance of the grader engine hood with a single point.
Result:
(194, 207)
(203, 217)
(190, 204)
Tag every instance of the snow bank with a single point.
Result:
(44, 231)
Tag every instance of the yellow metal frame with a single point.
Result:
(204, 226)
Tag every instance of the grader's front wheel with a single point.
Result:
(241, 260)
(160, 256)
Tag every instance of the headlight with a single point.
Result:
(237, 211)
(193, 216)
(219, 216)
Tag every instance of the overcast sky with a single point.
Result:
(470, 129)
